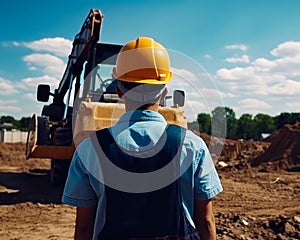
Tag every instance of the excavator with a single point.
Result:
(85, 101)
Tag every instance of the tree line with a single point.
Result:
(224, 123)
(9, 122)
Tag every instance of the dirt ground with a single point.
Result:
(256, 203)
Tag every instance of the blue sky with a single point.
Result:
(250, 50)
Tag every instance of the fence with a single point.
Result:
(13, 136)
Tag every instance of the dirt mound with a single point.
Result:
(11, 151)
(253, 205)
(243, 226)
(284, 151)
(12, 156)
(235, 154)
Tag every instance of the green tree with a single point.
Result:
(204, 121)
(224, 123)
(286, 118)
(246, 127)
(10, 119)
(231, 123)
(263, 124)
(295, 117)
(24, 122)
(7, 119)
(218, 122)
(282, 119)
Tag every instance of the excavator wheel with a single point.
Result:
(60, 167)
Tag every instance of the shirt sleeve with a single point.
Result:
(78, 190)
(207, 181)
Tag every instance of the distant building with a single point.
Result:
(6, 125)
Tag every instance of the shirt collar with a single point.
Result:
(141, 115)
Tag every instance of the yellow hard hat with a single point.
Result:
(143, 61)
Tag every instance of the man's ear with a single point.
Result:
(119, 92)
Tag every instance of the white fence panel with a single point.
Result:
(13, 136)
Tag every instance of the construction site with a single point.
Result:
(261, 181)
(260, 199)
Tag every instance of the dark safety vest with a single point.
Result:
(157, 214)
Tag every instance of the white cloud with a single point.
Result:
(251, 106)
(19, 107)
(184, 74)
(7, 87)
(32, 68)
(47, 63)
(51, 65)
(11, 109)
(241, 47)
(252, 81)
(31, 83)
(16, 44)
(293, 105)
(243, 59)
(9, 101)
(193, 108)
(288, 66)
(183, 79)
(236, 73)
(207, 56)
(192, 80)
(8, 107)
(58, 46)
(263, 64)
(201, 91)
(263, 77)
(251, 103)
(286, 88)
(30, 96)
(287, 49)
(211, 93)
(259, 85)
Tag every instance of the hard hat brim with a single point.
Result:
(124, 78)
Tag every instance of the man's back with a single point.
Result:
(157, 213)
(198, 178)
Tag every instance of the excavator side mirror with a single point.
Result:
(178, 98)
(43, 93)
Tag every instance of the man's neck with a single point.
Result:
(152, 107)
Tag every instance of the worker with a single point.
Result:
(143, 178)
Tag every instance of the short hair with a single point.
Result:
(141, 93)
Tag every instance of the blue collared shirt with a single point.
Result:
(137, 132)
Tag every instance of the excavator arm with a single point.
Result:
(85, 55)
(84, 43)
